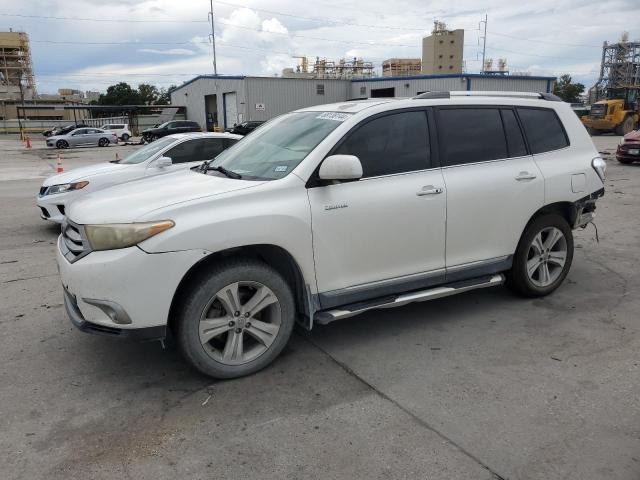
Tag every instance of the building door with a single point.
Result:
(230, 110)
(383, 92)
(211, 107)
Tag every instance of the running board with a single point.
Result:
(329, 316)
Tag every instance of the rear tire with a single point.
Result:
(125, 137)
(543, 257)
(593, 131)
(235, 319)
(625, 127)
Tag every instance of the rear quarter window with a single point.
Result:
(543, 129)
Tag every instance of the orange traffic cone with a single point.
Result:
(27, 141)
(59, 168)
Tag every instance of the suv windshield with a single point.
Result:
(277, 147)
(147, 151)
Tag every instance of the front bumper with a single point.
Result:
(106, 288)
(624, 153)
(54, 207)
(78, 320)
(606, 123)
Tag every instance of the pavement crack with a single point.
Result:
(415, 417)
(28, 278)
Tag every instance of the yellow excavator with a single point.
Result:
(619, 112)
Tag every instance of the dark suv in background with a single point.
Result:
(168, 128)
(244, 127)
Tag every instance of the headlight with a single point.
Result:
(600, 166)
(122, 235)
(66, 187)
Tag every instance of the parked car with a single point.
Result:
(331, 211)
(62, 130)
(244, 127)
(169, 128)
(83, 137)
(120, 129)
(629, 148)
(170, 154)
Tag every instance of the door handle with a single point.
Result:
(429, 190)
(525, 176)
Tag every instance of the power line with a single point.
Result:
(85, 19)
(544, 41)
(322, 19)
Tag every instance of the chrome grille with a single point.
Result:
(74, 244)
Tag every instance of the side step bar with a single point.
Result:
(329, 316)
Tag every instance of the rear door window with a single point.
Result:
(470, 135)
(515, 140)
(543, 129)
(213, 147)
(188, 151)
(394, 143)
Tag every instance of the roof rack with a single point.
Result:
(466, 93)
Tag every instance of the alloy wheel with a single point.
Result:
(546, 256)
(240, 322)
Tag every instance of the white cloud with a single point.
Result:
(273, 25)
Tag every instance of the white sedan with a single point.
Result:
(168, 154)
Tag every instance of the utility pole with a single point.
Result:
(21, 101)
(213, 40)
(484, 41)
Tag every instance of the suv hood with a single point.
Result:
(82, 173)
(129, 201)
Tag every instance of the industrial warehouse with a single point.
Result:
(220, 101)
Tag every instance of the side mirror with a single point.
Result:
(163, 162)
(341, 167)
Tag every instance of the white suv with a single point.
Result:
(120, 129)
(331, 211)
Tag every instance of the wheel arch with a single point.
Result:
(275, 256)
(566, 210)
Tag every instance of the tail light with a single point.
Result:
(600, 166)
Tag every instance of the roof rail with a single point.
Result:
(474, 93)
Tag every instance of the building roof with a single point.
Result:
(371, 79)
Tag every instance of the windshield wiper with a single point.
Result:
(224, 171)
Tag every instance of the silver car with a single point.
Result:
(81, 137)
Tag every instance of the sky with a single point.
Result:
(90, 44)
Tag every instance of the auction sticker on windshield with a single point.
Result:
(336, 116)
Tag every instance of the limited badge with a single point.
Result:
(280, 168)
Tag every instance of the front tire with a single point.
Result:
(235, 319)
(543, 257)
(625, 127)
(103, 142)
(593, 131)
(60, 144)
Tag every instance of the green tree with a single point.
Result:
(164, 96)
(567, 90)
(148, 93)
(120, 94)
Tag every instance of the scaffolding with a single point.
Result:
(323, 68)
(620, 67)
(16, 70)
